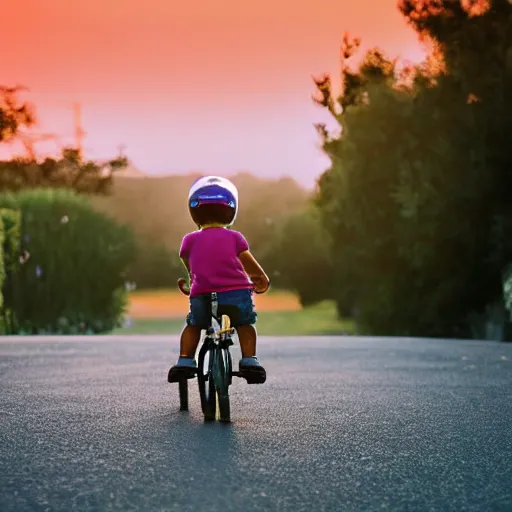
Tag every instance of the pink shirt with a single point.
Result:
(212, 254)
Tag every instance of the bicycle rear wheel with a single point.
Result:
(206, 384)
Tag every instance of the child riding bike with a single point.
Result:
(218, 259)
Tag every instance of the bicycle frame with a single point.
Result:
(215, 378)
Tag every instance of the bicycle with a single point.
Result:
(214, 365)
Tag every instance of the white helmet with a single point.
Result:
(213, 190)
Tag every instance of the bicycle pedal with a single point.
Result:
(256, 379)
(255, 376)
(181, 374)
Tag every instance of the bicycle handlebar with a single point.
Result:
(185, 289)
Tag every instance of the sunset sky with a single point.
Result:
(214, 86)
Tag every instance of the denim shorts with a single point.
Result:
(241, 299)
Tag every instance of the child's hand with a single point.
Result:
(261, 285)
(256, 274)
(183, 286)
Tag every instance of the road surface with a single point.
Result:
(342, 424)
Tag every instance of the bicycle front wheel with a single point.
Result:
(222, 371)
(206, 384)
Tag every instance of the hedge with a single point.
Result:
(2, 263)
(73, 280)
(11, 234)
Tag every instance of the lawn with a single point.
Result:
(279, 314)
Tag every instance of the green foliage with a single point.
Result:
(73, 276)
(156, 208)
(262, 204)
(2, 263)
(70, 172)
(13, 113)
(11, 222)
(301, 255)
(12, 227)
(155, 266)
(416, 200)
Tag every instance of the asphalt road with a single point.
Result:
(341, 424)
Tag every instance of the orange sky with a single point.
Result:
(209, 85)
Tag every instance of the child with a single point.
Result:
(218, 260)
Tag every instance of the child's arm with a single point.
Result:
(182, 283)
(184, 256)
(255, 272)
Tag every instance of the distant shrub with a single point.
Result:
(155, 266)
(300, 254)
(73, 280)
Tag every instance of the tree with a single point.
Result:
(474, 39)
(415, 198)
(13, 113)
(354, 194)
(301, 256)
(70, 171)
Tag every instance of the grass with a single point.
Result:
(279, 314)
(172, 304)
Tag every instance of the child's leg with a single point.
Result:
(249, 361)
(244, 326)
(189, 340)
(247, 337)
(191, 334)
(190, 337)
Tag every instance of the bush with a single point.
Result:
(300, 253)
(11, 229)
(155, 266)
(73, 280)
(2, 263)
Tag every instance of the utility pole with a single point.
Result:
(79, 132)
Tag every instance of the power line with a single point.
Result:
(79, 131)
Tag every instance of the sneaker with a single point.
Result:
(252, 368)
(251, 362)
(184, 368)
